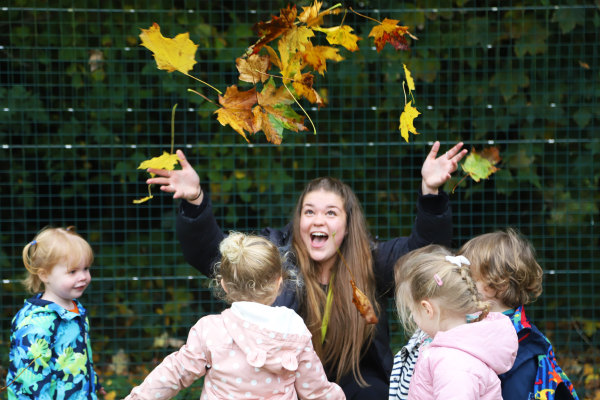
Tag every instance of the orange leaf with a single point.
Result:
(253, 68)
(317, 56)
(170, 54)
(237, 110)
(389, 32)
(407, 120)
(481, 165)
(363, 304)
(273, 28)
(341, 35)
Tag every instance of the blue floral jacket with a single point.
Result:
(50, 353)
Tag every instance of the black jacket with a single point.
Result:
(200, 236)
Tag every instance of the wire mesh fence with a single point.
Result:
(82, 104)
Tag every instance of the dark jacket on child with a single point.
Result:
(535, 373)
(200, 235)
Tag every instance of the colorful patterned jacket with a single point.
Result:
(535, 373)
(50, 353)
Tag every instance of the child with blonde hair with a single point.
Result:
(470, 346)
(50, 351)
(504, 265)
(250, 350)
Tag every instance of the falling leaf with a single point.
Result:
(584, 65)
(289, 44)
(341, 35)
(363, 305)
(409, 80)
(389, 32)
(317, 56)
(96, 60)
(237, 110)
(272, 95)
(481, 165)
(272, 29)
(253, 68)
(165, 161)
(272, 120)
(312, 16)
(303, 85)
(406, 120)
(177, 54)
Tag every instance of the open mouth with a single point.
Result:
(318, 238)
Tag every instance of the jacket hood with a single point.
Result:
(493, 341)
(270, 337)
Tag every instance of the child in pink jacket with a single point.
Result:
(251, 350)
(467, 352)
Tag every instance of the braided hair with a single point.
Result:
(432, 272)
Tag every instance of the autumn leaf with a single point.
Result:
(289, 44)
(272, 29)
(272, 120)
(317, 56)
(406, 120)
(165, 161)
(341, 35)
(389, 32)
(363, 305)
(273, 95)
(236, 110)
(409, 80)
(312, 16)
(481, 165)
(303, 86)
(177, 54)
(253, 68)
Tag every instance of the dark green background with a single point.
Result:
(519, 75)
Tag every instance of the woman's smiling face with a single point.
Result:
(323, 226)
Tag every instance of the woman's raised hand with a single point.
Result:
(437, 170)
(184, 183)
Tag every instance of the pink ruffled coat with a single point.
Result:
(464, 362)
(249, 351)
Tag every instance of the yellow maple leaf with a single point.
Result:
(317, 56)
(409, 80)
(341, 35)
(177, 54)
(293, 41)
(165, 161)
(407, 119)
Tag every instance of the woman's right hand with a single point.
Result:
(184, 182)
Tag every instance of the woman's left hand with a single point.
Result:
(437, 170)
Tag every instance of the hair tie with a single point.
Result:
(458, 260)
(33, 242)
(438, 280)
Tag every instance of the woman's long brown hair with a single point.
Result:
(348, 336)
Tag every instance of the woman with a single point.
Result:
(328, 216)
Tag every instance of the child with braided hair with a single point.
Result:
(470, 346)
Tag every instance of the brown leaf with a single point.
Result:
(272, 29)
(237, 110)
(253, 68)
(363, 304)
(272, 120)
(272, 95)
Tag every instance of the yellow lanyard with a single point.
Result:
(325, 321)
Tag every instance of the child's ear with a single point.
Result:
(427, 307)
(223, 285)
(43, 275)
